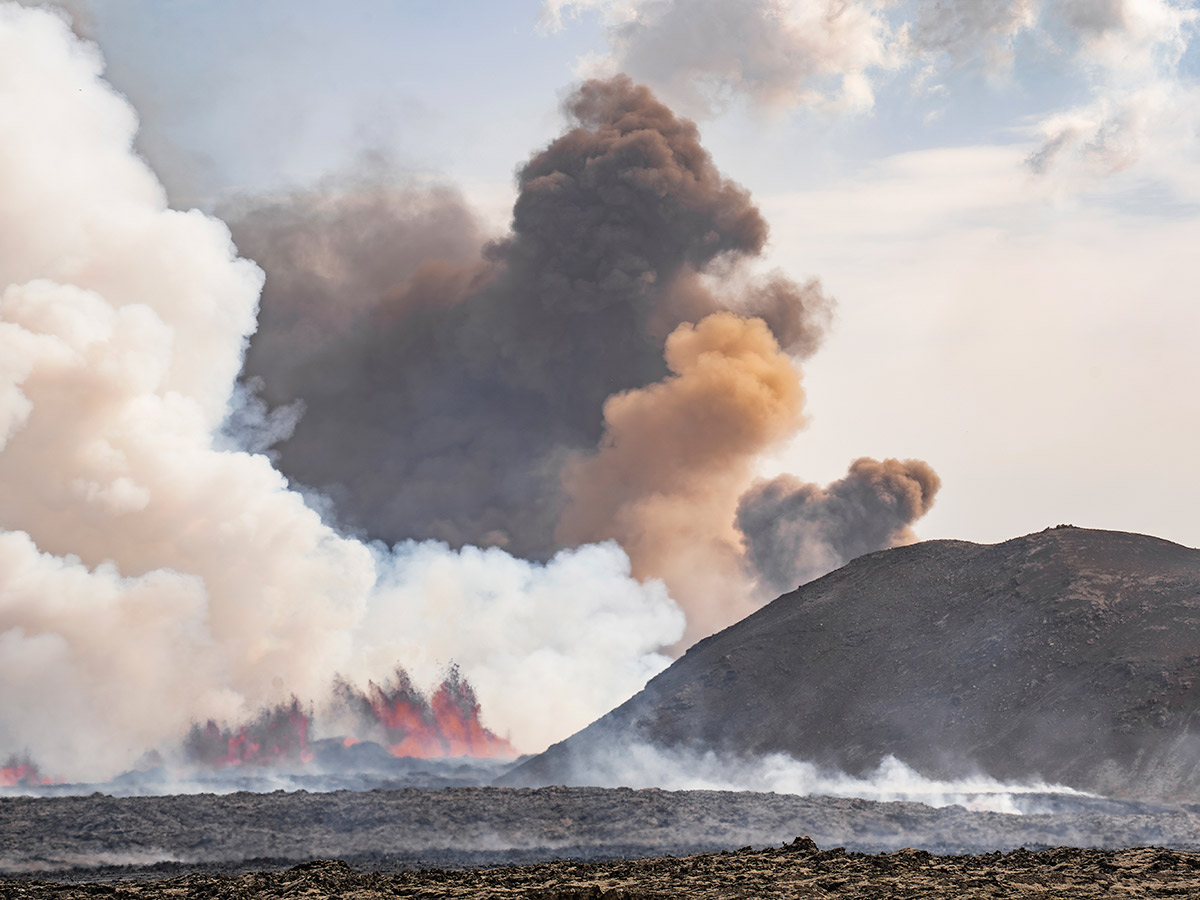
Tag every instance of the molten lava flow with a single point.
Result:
(277, 735)
(22, 773)
(410, 725)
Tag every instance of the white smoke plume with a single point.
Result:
(642, 765)
(79, 13)
(149, 578)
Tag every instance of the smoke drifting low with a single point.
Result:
(639, 764)
(796, 532)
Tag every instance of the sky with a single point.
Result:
(933, 279)
(1029, 333)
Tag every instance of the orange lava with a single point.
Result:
(16, 773)
(277, 735)
(446, 726)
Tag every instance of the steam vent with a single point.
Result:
(1069, 655)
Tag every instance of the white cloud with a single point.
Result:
(778, 53)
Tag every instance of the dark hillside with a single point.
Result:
(1071, 655)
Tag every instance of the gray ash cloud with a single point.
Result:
(445, 385)
(796, 531)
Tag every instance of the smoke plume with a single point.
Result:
(795, 532)
(149, 579)
(677, 455)
(443, 391)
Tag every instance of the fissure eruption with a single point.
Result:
(586, 396)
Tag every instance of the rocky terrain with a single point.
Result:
(105, 838)
(1067, 656)
(797, 870)
(1070, 655)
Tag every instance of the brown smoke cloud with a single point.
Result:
(345, 258)
(442, 389)
(677, 455)
(796, 532)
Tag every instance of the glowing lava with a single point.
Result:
(278, 735)
(22, 773)
(413, 726)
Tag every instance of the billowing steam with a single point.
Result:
(149, 580)
(796, 532)
(608, 371)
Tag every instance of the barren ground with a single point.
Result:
(101, 838)
(799, 870)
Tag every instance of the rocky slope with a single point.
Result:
(1069, 655)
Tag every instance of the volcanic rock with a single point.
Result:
(1070, 655)
(767, 873)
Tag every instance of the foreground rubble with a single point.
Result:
(799, 870)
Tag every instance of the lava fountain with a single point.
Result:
(409, 724)
(278, 736)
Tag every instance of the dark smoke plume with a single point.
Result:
(795, 532)
(444, 389)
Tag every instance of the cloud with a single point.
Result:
(1140, 107)
(777, 53)
(969, 31)
(781, 55)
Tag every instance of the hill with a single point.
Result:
(1070, 655)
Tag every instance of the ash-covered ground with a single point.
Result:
(99, 837)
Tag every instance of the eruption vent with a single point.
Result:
(277, 737)
(401, 718)
(22, 773)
